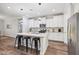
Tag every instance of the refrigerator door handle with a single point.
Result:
(70, 40)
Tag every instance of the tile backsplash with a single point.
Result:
(55, 29)
(49, 29)
(58, 29)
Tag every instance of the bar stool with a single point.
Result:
(27, 39)
(36, 41)
(19, 38)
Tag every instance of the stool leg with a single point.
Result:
(22, 43)
(31, 45)
(39, 45)
(36, 46)
(26, 45)
(19, 42)
(15, 42)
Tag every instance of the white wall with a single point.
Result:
(13, 22)
(1, 27)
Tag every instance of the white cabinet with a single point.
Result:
(57, 21)
(31, 23)
(48, 23)
(43, 21)
(36, 23)
(56, 36)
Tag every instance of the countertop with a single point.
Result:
(32, 34)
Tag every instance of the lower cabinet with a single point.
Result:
(56, 36)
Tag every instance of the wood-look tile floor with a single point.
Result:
(56, 48)
(7, 48)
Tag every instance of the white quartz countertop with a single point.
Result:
(32, 34)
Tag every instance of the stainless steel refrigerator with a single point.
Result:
(73, 35)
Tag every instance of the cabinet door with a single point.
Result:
(47, 23)
(31, 23)
(58, 21)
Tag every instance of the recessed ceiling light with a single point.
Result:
(21, 9)
(39, 3)
(8, 7)
(31, 9)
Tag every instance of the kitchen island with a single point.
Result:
(43, 40)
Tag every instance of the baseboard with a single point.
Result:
(56, 41)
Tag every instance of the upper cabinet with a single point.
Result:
(49, 22)
(56, 21)
(33, 23)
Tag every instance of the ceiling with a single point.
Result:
(30, 9)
